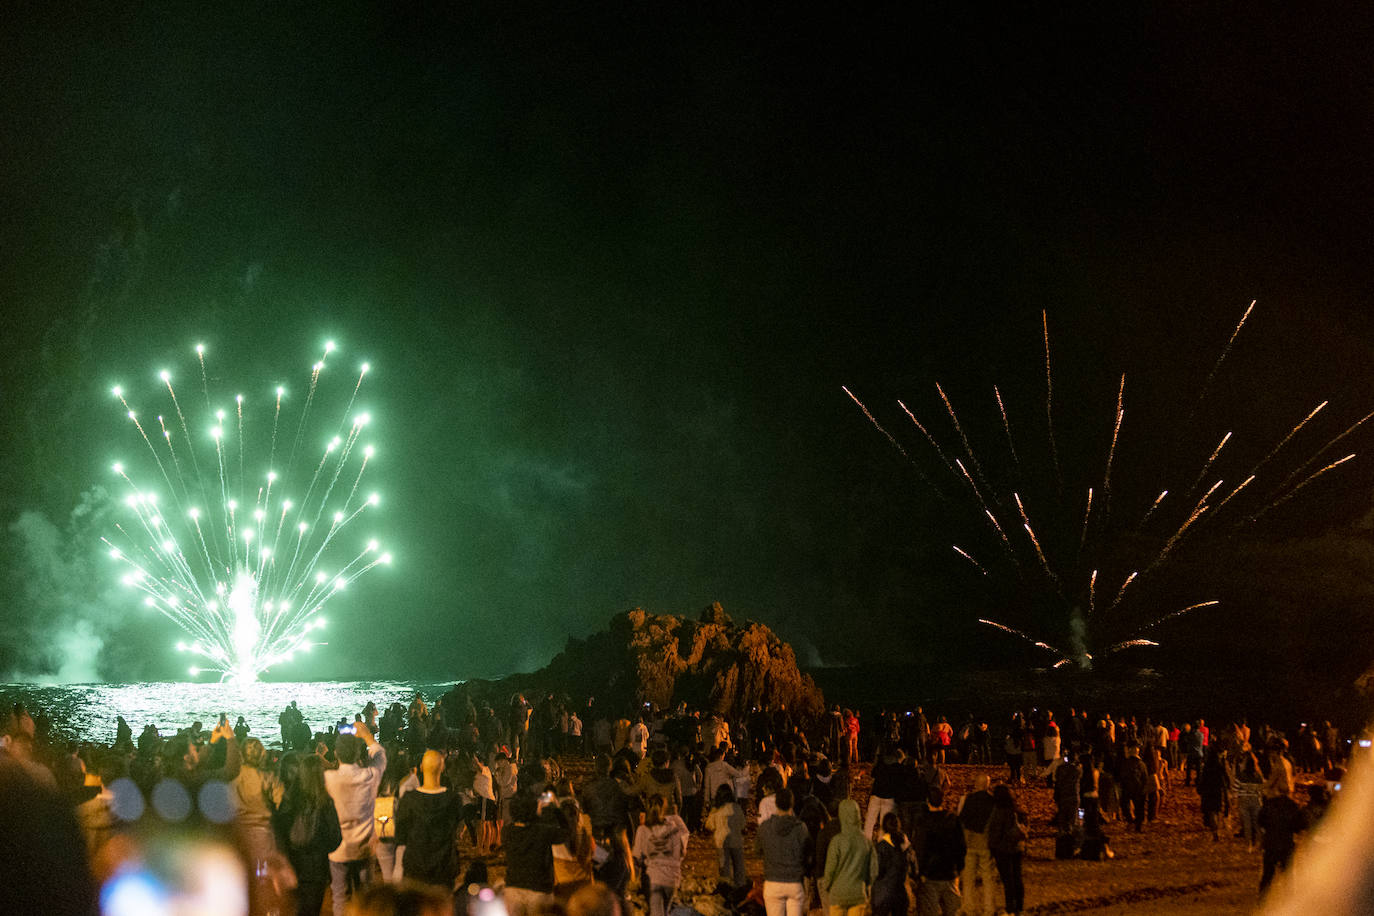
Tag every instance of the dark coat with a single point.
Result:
(889, 888)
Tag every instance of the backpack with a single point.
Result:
(1134, 776)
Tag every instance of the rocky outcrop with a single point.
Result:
(709, 662)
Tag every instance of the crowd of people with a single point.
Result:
(464, 806)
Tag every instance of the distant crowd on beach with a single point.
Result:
(556, 808)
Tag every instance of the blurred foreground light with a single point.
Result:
(127, 804)
(216, 802)
(171, 801)
(129, 892)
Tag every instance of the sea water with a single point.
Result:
(87, 711)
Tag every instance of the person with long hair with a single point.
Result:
(889, 886)
(307, 829)
(256, 794)
(572, 860)
(1249, 796)
(1213, 787)
(659, 848)
(1007, 830)
(726, 823)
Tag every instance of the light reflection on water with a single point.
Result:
(88, 710)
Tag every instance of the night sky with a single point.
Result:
(611, 267)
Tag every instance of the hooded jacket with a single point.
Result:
(659, 782)
(850, 862)
(785, 843)
(661, 849)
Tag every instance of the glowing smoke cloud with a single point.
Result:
(232, 550)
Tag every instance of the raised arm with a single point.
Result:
(376, 754)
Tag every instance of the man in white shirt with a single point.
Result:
(353, 787)
(639, 739)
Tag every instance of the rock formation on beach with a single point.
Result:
(710, 662)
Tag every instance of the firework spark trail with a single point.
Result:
(240, 610)
(1035, 541)
(992, 499)
(963, 553)
(367, 456)
(1197, 512)
(876, 425)
(186, 431)
(1243, 484)
(1225, 352)
(895, 444)
(149, 442)
(1020, 508)
(204, 379)
(1208, 464)
(226, 505)
(1312, 477)
(176, 463)
(1322, 451)
(305, 502)
(305, 411)
(238, 405)
(344, 452)
(1087, 513)
(1129, 643)
(1205, 496)
(1293, 492)
(1111, 451)
(276, 419)
(924, 432)
(968, 449)
(1006, 425)
(348, 409)
(1122, 593)
(1040, 554)
(1153, 506)
(1049, 394)
(1179, 613)
(1000, 533)
(1177, 535)
(976, 492)
(1291, 433)
(1015, 632)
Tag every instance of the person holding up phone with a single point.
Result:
(353, 787)
(537, 825)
